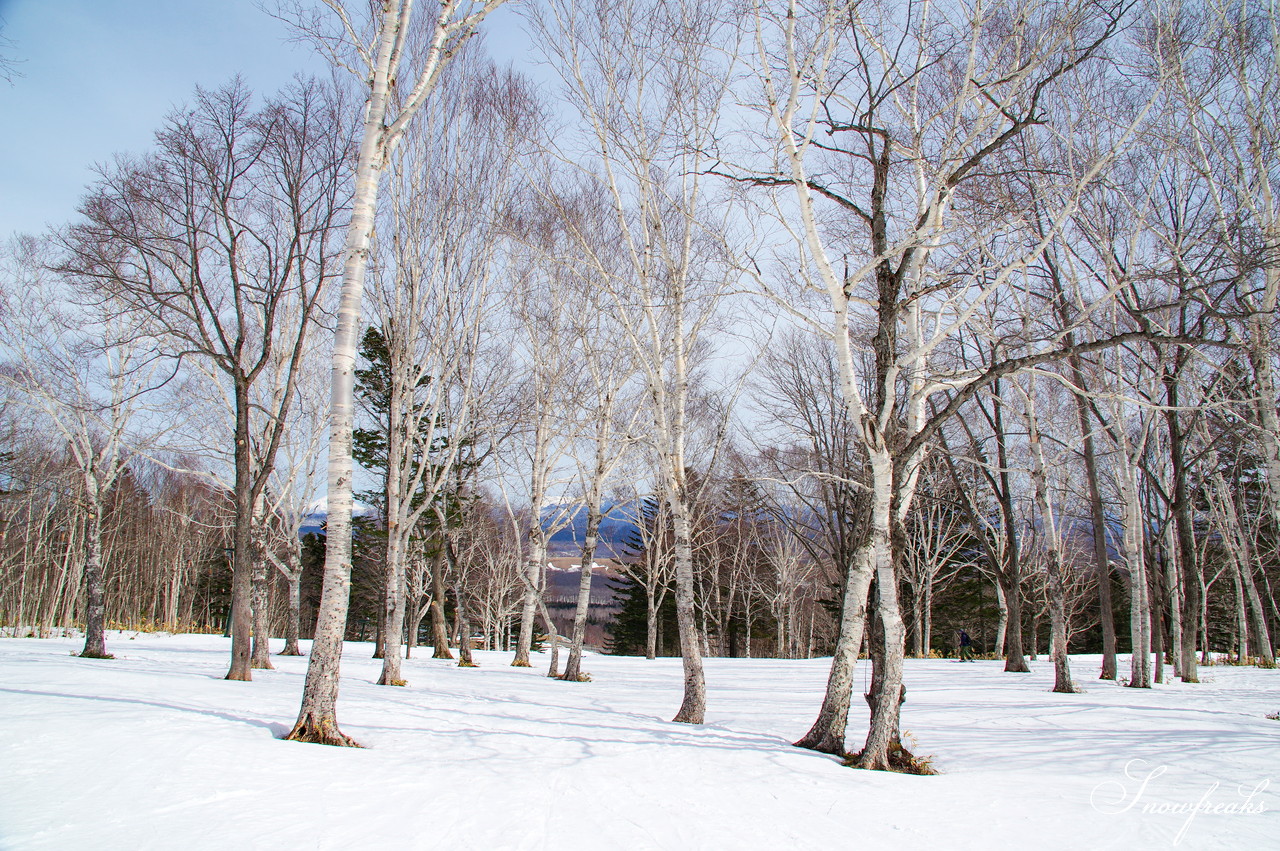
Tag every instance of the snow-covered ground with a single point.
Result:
(156, 750)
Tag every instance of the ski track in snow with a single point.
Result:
(156, 751)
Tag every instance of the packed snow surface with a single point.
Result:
(156, 750)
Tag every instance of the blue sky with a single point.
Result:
(98, 76)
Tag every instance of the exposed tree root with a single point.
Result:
(900, 761)
(320, 731)
(520, 664)
(290, 651)
(466, 664)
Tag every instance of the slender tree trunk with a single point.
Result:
(317, 717)
(534, 569)
(1062, 682)
(1243, 557)
(888, 696)
(1185, 531)
(293, 627)
(650, 624)
(1134, 547)
(260, 657)
(1098, 515)
(1014, 659)
(693, 707)
(917, 624)
(573, 668)
(1002, 618)
(465, 659)
(1242, 620)
(1174, 600)
(439, 628)
(827, 734)
(380, 618)
(1203, 638)
(95, 628)
(242, 555)
(415, 623)
(392, 628)
(928, 618)
(1261, 325)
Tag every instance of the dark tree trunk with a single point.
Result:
(1099, 518)
(1184, 530)
(573, 668)
(465, 659)
(293, 626)
(439, 626)
(260, 657)
(242, 557)
(1015, 660)
(95, 626)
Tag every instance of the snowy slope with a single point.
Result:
(155, 750)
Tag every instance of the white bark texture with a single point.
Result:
(384, 124)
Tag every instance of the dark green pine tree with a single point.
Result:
(628, 632)
(370, 448)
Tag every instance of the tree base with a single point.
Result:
(325, 731)
(581, 677)
(900, 761)
(383, 681)
(468, 665)
(93, 654)
(290, 651)
(520, 664)
(442, 653)
(820, 744)
(261, 665)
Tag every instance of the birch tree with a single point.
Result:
(434, 291)
(398, 56)
(532, 475)
(647, 85)
(922, 103)
(1221, 60)
(604, 402)
(84, 376)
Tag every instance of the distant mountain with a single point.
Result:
(615, 530)
(318, 512)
